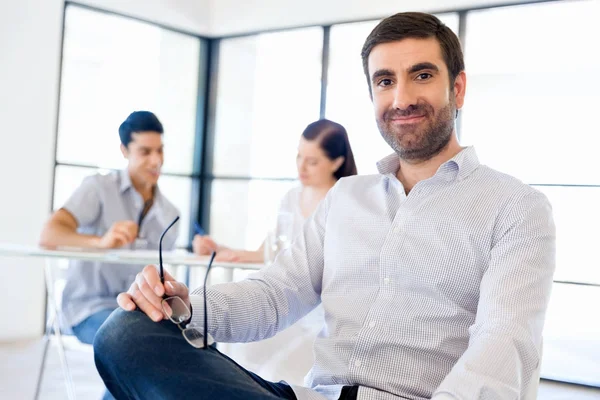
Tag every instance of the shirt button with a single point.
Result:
(396, 230)
(372, 324)
(386, 280)
(357, 363)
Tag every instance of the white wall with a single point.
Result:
(30, 36)
(237, 16)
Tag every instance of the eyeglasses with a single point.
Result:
(178, 312)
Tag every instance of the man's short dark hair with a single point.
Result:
(416, 25)
(139, 121)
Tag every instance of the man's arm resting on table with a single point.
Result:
(61, 230)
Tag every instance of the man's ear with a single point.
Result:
(460, 88)
(124, 151)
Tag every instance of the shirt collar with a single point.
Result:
(125, 180)
(458, 167)
(126, 184)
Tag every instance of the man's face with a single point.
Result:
(145, 156)
(415, 104)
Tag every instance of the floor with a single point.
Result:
(19, 366)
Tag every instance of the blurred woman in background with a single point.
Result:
(324, 156)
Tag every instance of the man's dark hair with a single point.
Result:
(139, 121)
(416, 25)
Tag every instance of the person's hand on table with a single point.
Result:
(203, 245)
(121, 233)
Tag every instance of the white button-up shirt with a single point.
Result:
(439, 293)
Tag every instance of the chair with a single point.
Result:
(54, 277)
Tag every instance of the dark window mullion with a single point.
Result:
(208, 139)
(324, 70)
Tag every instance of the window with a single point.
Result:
(533, 93)
(112, 66)
(530, 111)
(243, 211)
(262, 109)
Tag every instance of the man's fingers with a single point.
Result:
(148, 292)
(168, 276)
(174, 288)
(127, 234)
(125, 302)
(143, 304)
(133, 230)
(118, 239)
(152, 277)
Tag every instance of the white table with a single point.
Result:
(120, 256)
(124, 256)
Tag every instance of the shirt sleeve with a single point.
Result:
(85, 203)
(273, 298)
(505, 340)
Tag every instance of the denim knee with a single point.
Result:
(120, 334)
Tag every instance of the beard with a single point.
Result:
(423, 140)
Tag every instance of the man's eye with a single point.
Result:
(424, 76)
(385, 82)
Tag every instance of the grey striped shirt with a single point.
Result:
(439, 293)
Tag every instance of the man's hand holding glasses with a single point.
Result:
(147, 292)
(157, 294)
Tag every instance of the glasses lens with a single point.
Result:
(194, 337)
(176, 309)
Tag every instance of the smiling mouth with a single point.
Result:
(407, 120)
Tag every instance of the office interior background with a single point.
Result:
(235, 82)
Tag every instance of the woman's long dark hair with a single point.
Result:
(333, 139)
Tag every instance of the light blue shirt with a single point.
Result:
(100, 201)
(440, 293)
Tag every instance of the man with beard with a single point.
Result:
(434, 274)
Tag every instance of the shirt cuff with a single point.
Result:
(197, 302)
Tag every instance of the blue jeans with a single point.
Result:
(141, 359)
(86, 330)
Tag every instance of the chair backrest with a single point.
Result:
(534, 383)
